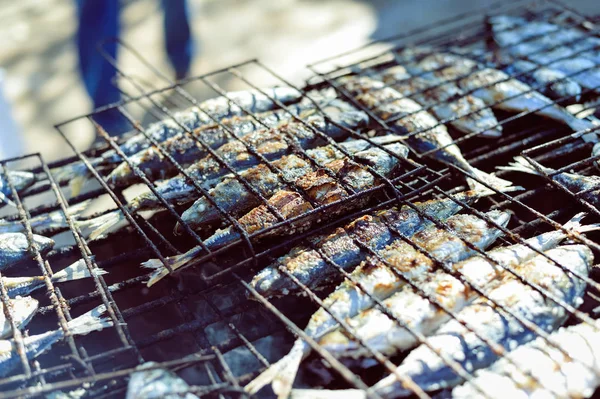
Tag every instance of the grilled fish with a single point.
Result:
(186, 149)
(183, 121)
(152, 382)
(20, 180)
(496, 88)
(446, 100)
(380, 282)
(318, 187)
(22, 310)
(556, 375)
(35, 345)
(575, 183)
(14, 248)
(45, 221)
(24, 285)
(311, 268)
(426, 134)
(387, 336)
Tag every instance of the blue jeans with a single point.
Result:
(99, 21)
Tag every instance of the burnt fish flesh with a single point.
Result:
(431, 372)
(540, 370)
(381, 281)
(152, 382)
(319, 187)
(424, 132)
(35, 345)
(22, 310)
(188, 148)
(221, 107)
(14, 248)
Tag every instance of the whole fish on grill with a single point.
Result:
(24, 285)
(446, 101)
(387, 336)
(35, 345)
(22, 310)
(20, 180)
(309, 265)
(152, 382)
(424, 132)
(431, 372)
(381, 281)
(575, 375)
(178, 190)
(186, 149)
(319, 187)
(188, 120)
(45, 221)
(589, 185)
(496, 88)
(14, 248)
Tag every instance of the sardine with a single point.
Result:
(309, 266)
(21, 180)
(426, 133)
(14, 248)
(192, 118)
(497, 89)
(185, 149)
(35, 345)
(574, 182)
(45, 221)
(22, 310)
(447, 101)
(319, 188)
(556, 375)
(381, 282)
(381, 332)
(152, 382)
(231, 194)
(24, 285)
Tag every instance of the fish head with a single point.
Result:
(23, 309)
(499, 217)
(44, 244)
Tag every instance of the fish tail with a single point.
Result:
(76, 271)
(282, 374)
(175, 262)
(575, 224)
(77, 209)
(100, 225)
(328, 394)
(520, 164)
(76, 174)
(491, 180)
(90, 321)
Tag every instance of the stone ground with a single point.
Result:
(42, 85)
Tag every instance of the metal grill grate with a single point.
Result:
(200, 321)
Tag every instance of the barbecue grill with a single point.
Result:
(206, 322)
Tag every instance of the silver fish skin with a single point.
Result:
(311, 269)
(190, 119)
(152, 382)
(16, 286)
(45, 221)
(447, 101)
(21, 180)
(387, 336)
(231, 194)
(497, 89)
(556, 375)
(429, 134)
(185, 149)
(572, 181)
(22, 310)
(381, 282)
(35, 345)
(14, 248)
(318, 186)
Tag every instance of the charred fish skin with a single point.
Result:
(426, 133)
(447, 101)
(14, 248)
(152, 382)
(312, 269)
(556, 375)
(380, 281)
(22, 311)
(384, 334)
(430, 372)
(35, 345)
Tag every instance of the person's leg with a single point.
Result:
(98, 21)
(178, 37)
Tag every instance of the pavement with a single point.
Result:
(41, 85)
